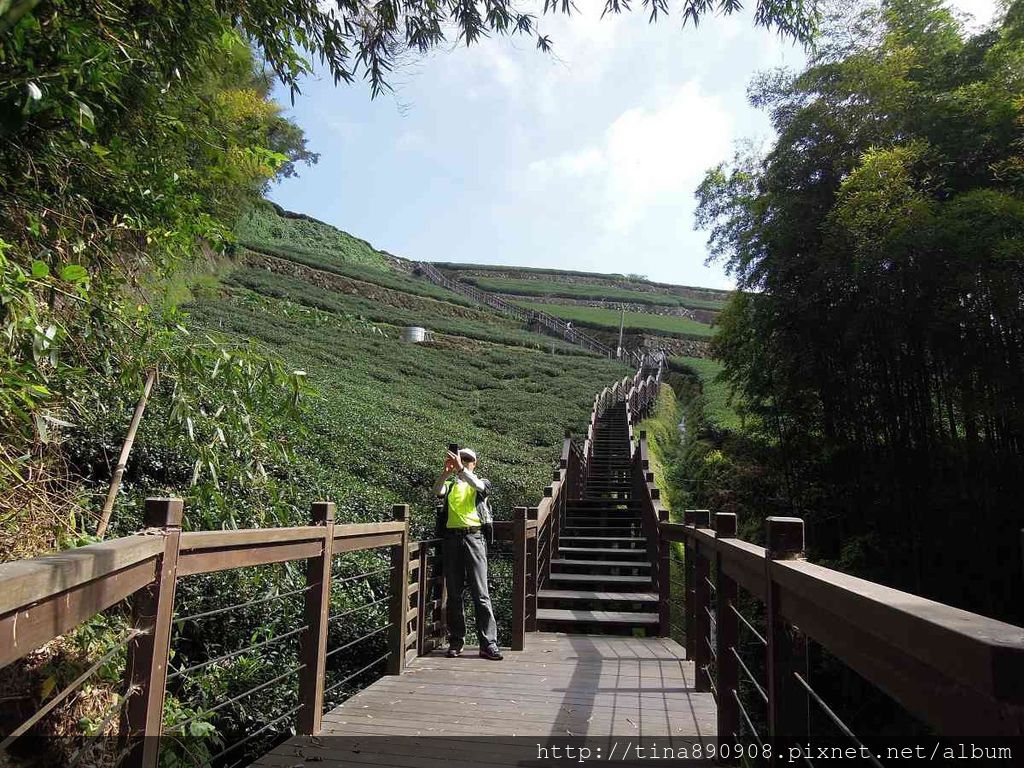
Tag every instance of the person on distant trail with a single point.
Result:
(463, 522)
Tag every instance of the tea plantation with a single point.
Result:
(604, 293)
(598, 317)
(683, 316)
(381, 411)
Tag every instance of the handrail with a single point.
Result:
(44, 597)
(25, 582)
(957, 671)
(535, 531)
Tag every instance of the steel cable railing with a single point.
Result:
(68, 690)
(237, 606)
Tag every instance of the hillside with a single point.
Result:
(679, 318)
(382, 410)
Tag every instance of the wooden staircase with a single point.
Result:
(601, 580)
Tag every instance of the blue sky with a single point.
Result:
(584, 159)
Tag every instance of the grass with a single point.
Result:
(588, 291)
(717, 407)
(596, 317)
(265, 226)
(662, 428)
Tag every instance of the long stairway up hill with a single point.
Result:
(601, 579)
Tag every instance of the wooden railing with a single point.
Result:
(959, 673)
(534, 533)
(45, 597)
(535, 530)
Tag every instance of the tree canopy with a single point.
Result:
(880, 240)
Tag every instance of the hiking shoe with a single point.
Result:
(492, 653)
(453, 652)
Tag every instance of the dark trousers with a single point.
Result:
(465, 564)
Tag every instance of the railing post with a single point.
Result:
(518, 578)
(146, 665)
(702, 609)
(727, 637)
(313, 650)
(531, 573)
(788, 705)
(442, 591)
(689, 579)
(664, 579)
(555, 526)
(399, 592)
(421, 599)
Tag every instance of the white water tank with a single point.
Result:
(414, 333)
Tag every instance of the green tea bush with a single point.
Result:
(608, 319)
(378, 275)
(610, 292)
(263, 225)
(439, 317)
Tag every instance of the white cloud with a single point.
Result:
(983, 11)
(649, 156)
(571, 164)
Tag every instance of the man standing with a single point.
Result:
(465, 554)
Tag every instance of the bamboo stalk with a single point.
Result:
(122, 460)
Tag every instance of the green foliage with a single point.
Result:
(663, 445)
(610, 293)
(596, 317)
(267, 226)
(717, 406)
(375, 392)
(564, 275)
(439, 317)
(131, 141)
(880, 241)
(383, 277)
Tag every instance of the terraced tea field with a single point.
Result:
(608, 319)
(675, 317)
(383, 410)
(602, 293)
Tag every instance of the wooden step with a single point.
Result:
(584, 595)
(573, 533)
(603, 539)
(560, 562)
(598, 551)
(575, 616)
(587, 504)
(590, 578)
(611, 519)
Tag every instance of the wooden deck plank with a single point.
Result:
(473, 712)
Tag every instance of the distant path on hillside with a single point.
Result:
(560, 328)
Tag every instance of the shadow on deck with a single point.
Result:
(601, 692)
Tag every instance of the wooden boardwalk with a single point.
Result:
(563, 689)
